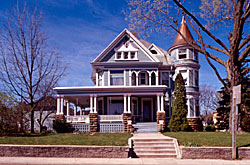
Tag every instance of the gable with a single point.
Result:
(126, 42)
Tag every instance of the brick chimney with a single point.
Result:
(135, 34)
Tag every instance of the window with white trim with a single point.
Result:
(165, 78)
(116, 78)
(184, 75)
(182, 53)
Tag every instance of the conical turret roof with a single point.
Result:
(179, 40)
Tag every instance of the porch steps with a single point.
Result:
(154, 147)
(145, 127)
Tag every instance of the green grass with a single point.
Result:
(100, 139)
(222, 139)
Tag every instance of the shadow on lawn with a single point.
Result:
(246, 145)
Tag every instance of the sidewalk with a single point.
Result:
(107, 161)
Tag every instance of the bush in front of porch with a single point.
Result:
(96, 139)
(178, 120)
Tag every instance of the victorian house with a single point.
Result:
(133, 83)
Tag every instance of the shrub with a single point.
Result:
(245, 124)
(178, 120)
(61, 126)
(210, 128)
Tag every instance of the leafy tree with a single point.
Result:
(28, 64)
(231, 52)
(178, 121)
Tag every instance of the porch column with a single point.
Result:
(58, 105)
(157, 77)
(95, 111)
(67, 108)
(162, 104)
(75, 108)
(80, 111)
(158, 103)
(61, 106)
(129, 103)
(91, 104)
(149, 74)
(125, 104)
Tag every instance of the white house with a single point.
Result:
(133, 82)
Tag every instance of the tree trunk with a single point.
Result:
(32, 121)
(234, 78)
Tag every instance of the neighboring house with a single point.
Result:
(45, 113)
(134, 81)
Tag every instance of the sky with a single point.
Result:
(81, 29)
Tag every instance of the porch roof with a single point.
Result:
(110, 90)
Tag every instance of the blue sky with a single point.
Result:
(81, 29)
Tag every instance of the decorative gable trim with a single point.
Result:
(117, 40)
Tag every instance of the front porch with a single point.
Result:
(116, 111)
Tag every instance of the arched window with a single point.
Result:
(153, 78)
(133, 79)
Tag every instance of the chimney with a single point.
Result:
(135, 34)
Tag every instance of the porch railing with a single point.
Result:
(78, 119)
(110, 119)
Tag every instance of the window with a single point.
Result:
(191, 107)
(165, 78)
(118, 55)
(191, 54)
(100, 75)
(115, 106)
(143, 79)
(195, 55)
(196, 78)
(132, 55)
(153, 51)
(133, 79)
(191, 77)
(197, 108)
(125, 55)
(182, 54)
(116, 78)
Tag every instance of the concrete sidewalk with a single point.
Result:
(106, 161)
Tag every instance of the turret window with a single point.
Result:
(182, 53)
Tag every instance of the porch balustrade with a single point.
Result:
(78, 119)
(110, 118)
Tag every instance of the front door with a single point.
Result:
(147, 113)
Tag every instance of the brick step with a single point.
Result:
(153, 140)
(156, 155)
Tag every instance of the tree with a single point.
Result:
(232, 53)
(178, 120)
(208, 100)
(27, 61)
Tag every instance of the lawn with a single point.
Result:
(98, 139)
(222, 139)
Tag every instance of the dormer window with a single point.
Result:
(118, 55)
(125, 55)
(132, 55)
(182, 53)
(153, 51)
(126, 51)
